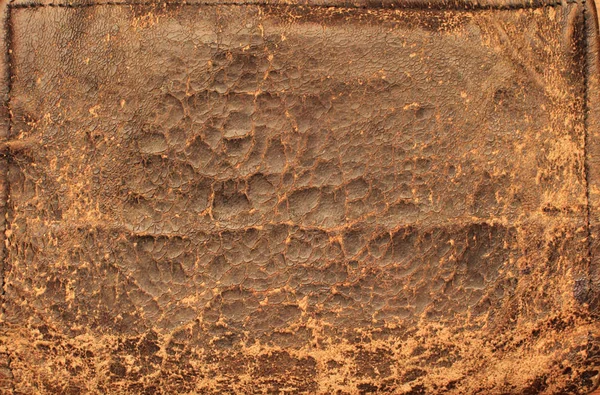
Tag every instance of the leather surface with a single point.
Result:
(271, 198)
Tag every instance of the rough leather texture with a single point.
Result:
(329, 197)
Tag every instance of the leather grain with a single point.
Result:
(285, 198)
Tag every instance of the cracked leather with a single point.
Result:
(299, 198)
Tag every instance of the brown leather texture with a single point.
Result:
(299, 197)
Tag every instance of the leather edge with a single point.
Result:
(6, 376)
(394, 4)
(592, 170)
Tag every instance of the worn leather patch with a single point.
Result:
(285, 198)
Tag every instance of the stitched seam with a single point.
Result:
(5, 154)
(400, 6)
(586, 166)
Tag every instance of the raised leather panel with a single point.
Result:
(263, 198)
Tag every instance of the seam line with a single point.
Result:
(5, 157)
(586, 166)
(410, 6)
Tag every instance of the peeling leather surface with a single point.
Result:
(261, 198)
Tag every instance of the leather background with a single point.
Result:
(278, 198)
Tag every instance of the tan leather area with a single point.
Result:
(287, 198)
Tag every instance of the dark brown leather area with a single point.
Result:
(270, 198)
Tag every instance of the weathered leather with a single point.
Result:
(330, 197)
